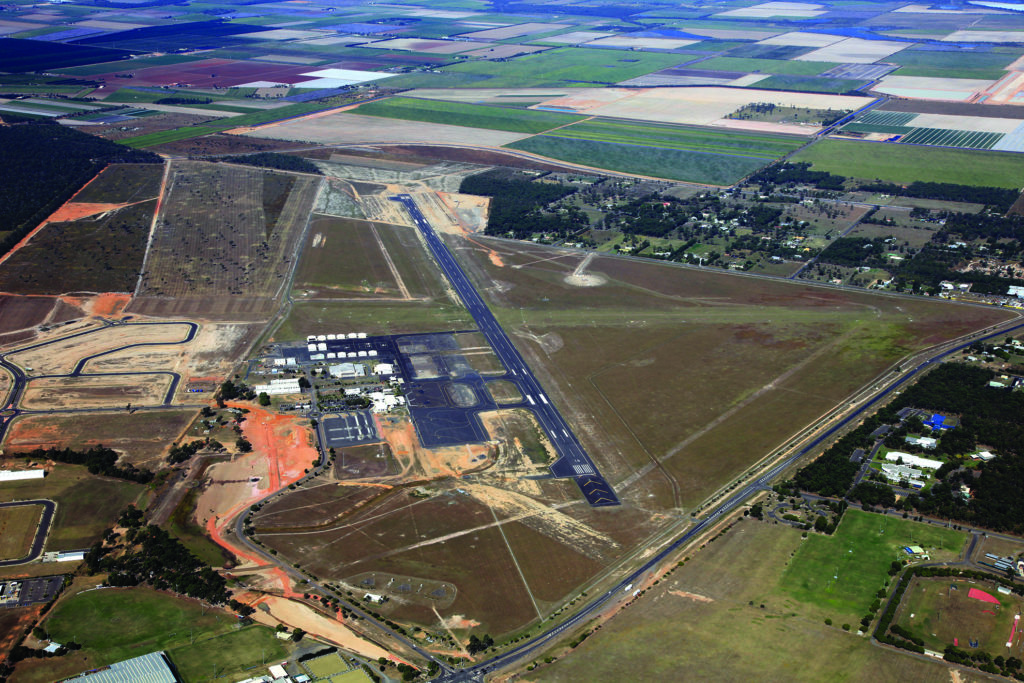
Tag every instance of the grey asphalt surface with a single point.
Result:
(49, 508)
(573, 461)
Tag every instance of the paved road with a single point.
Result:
(573, 461)
(49, 508)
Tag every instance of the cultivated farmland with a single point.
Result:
(469, 115)
(226, 231)
(899, 164)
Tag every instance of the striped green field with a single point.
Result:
(688, 138)
(470, 115)
(952, 138)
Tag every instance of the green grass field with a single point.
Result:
(767, 66)
(577, 67)
(129, 64)
(904, 164)
(695, 167)
(722, 617)
(841, 573)
(935, 611)
(471, 115)
(116, 624)
(321, 317)
(983, 65)
(689, 138)
(808, 84)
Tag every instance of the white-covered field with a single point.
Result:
(854, 51)
(985, 37)
(926, 88)
(641, 43)
(801, 39)
(776, 9)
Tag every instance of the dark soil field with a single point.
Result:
(208, 73)
(141, 438)
(123, 184)
(21, 312)
(313, 507)
(358, 462)
(100, 253)
(150, 124)
(701, 371)
(219, 143)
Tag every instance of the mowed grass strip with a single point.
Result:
(692, 139)
(842, 573)
(470, 115)
(659, 162)
(905, 164)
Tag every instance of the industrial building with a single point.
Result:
(278, 387)
(922, 441)
(913, 460)
(151, 668)
(19, 475)
(347, 371)
(895, 473)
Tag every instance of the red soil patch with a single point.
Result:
(285, 444)
(72, 211)
(110, 304)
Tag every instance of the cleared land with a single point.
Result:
(346, 258)
(323, 317)
(226, 231)
(55, 393)
(123, 184)
(86, 504)
(100, 253)
(141, 438)
(841, 573)
(904, 165)
(115, 624)
(724, 615)
(17, 529)
(469, 115)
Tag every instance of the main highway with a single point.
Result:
(573, 461)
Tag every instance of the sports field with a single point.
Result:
(724, 616)
(116, 624)
(904, 164)
(469, 115)
(940, 610)
(841, 573)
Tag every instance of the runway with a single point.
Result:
(573, 461)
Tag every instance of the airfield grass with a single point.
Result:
(932, 610)
(347, 260)
(86, 504)
(931, 64)
(322, 317)
(470, 115)
(565, 67)
(658, 162)
(623, 358)
(17, 529)
(740, 627)
(767, 66)
(117, 624)
(841, 573)
(689, 138)
(904, 163)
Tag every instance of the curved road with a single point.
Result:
(49, 508)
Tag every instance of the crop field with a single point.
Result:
(659, 162)
(226, 231)
(710, 140)
(810, 84)
(632, 348)
(17, 529)
(141, 437)
(940, 611)
(960, 64)
(573, 67)
(768, 66)
(349, 258)
(98, 253)
(116, 624)
(902, 164)
(469, 115)
(952, 138)
(708, 621)
(35, 55)
(841, 573)
(86, 504)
